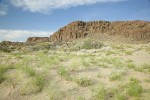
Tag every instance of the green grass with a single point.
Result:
(30, 71)
(64, 73)
(99, 92)
(120, 97)
(3, 69)
(81, 98)
(129, 61)
(131, 65)
(32, 85)
(2, 78)
(128, 52)
(143, 68)
(133, 88)
(84, 81)
(116, 62)
(110, 52)
(115, 76)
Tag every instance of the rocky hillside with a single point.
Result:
(137, 30)
(38, 39)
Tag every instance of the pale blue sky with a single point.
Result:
(20, 19)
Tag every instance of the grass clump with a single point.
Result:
(91, 44)
(2, 78)
(32, 85)
(30, 71)
(128, 52)
(64, 73)
(99, 92)
(84, 82)
(110, 52)
(3, 69)
(131, 65)
(115, 76)
(133, 88)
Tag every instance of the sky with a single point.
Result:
(20, 19)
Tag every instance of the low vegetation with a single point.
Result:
(134, 88)
(85, 70)
(84, 81)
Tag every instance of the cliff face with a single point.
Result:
(138, 30)
(38, 39)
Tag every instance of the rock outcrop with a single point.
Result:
(38, 39)
(138, 30)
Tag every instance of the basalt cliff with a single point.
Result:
(137, 30)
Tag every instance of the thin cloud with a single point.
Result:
(48, 5)
(21, 35)
(3, 9)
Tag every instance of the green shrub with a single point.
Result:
(115, 76)
(84, 82)
(2, 78)
(3, 69)
(30, 71)
(133, 88)
(99, 93)
(131, 65)
(64, 73)
(128, 52)
(91, 44)
(32, 85)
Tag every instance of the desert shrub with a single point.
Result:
(32, 85)
(2, 78)
(6, 49)
(115, 76)
(110, 52)
(3, 69)
(91, 44)
(129, 61)
(133, 88)
(128, 52)
(29, 70)
(116, 62)
(131, 65)
(99, 92)
(143, 68)
(64, 73)
(84, 81)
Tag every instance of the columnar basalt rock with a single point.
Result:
(138, 30)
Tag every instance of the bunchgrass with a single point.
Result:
(134, 88)
(84, 81)
(29, 70)
(64, 73)
(99, 92)
(3, 69)
(131, 65)
(33, 85)
(128, 52)
(115, 76)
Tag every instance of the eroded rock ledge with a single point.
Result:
(138, 30)
(38, 39)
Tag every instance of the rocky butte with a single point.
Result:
(137, 30)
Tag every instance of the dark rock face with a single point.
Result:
(38, 39)
(138, 30)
